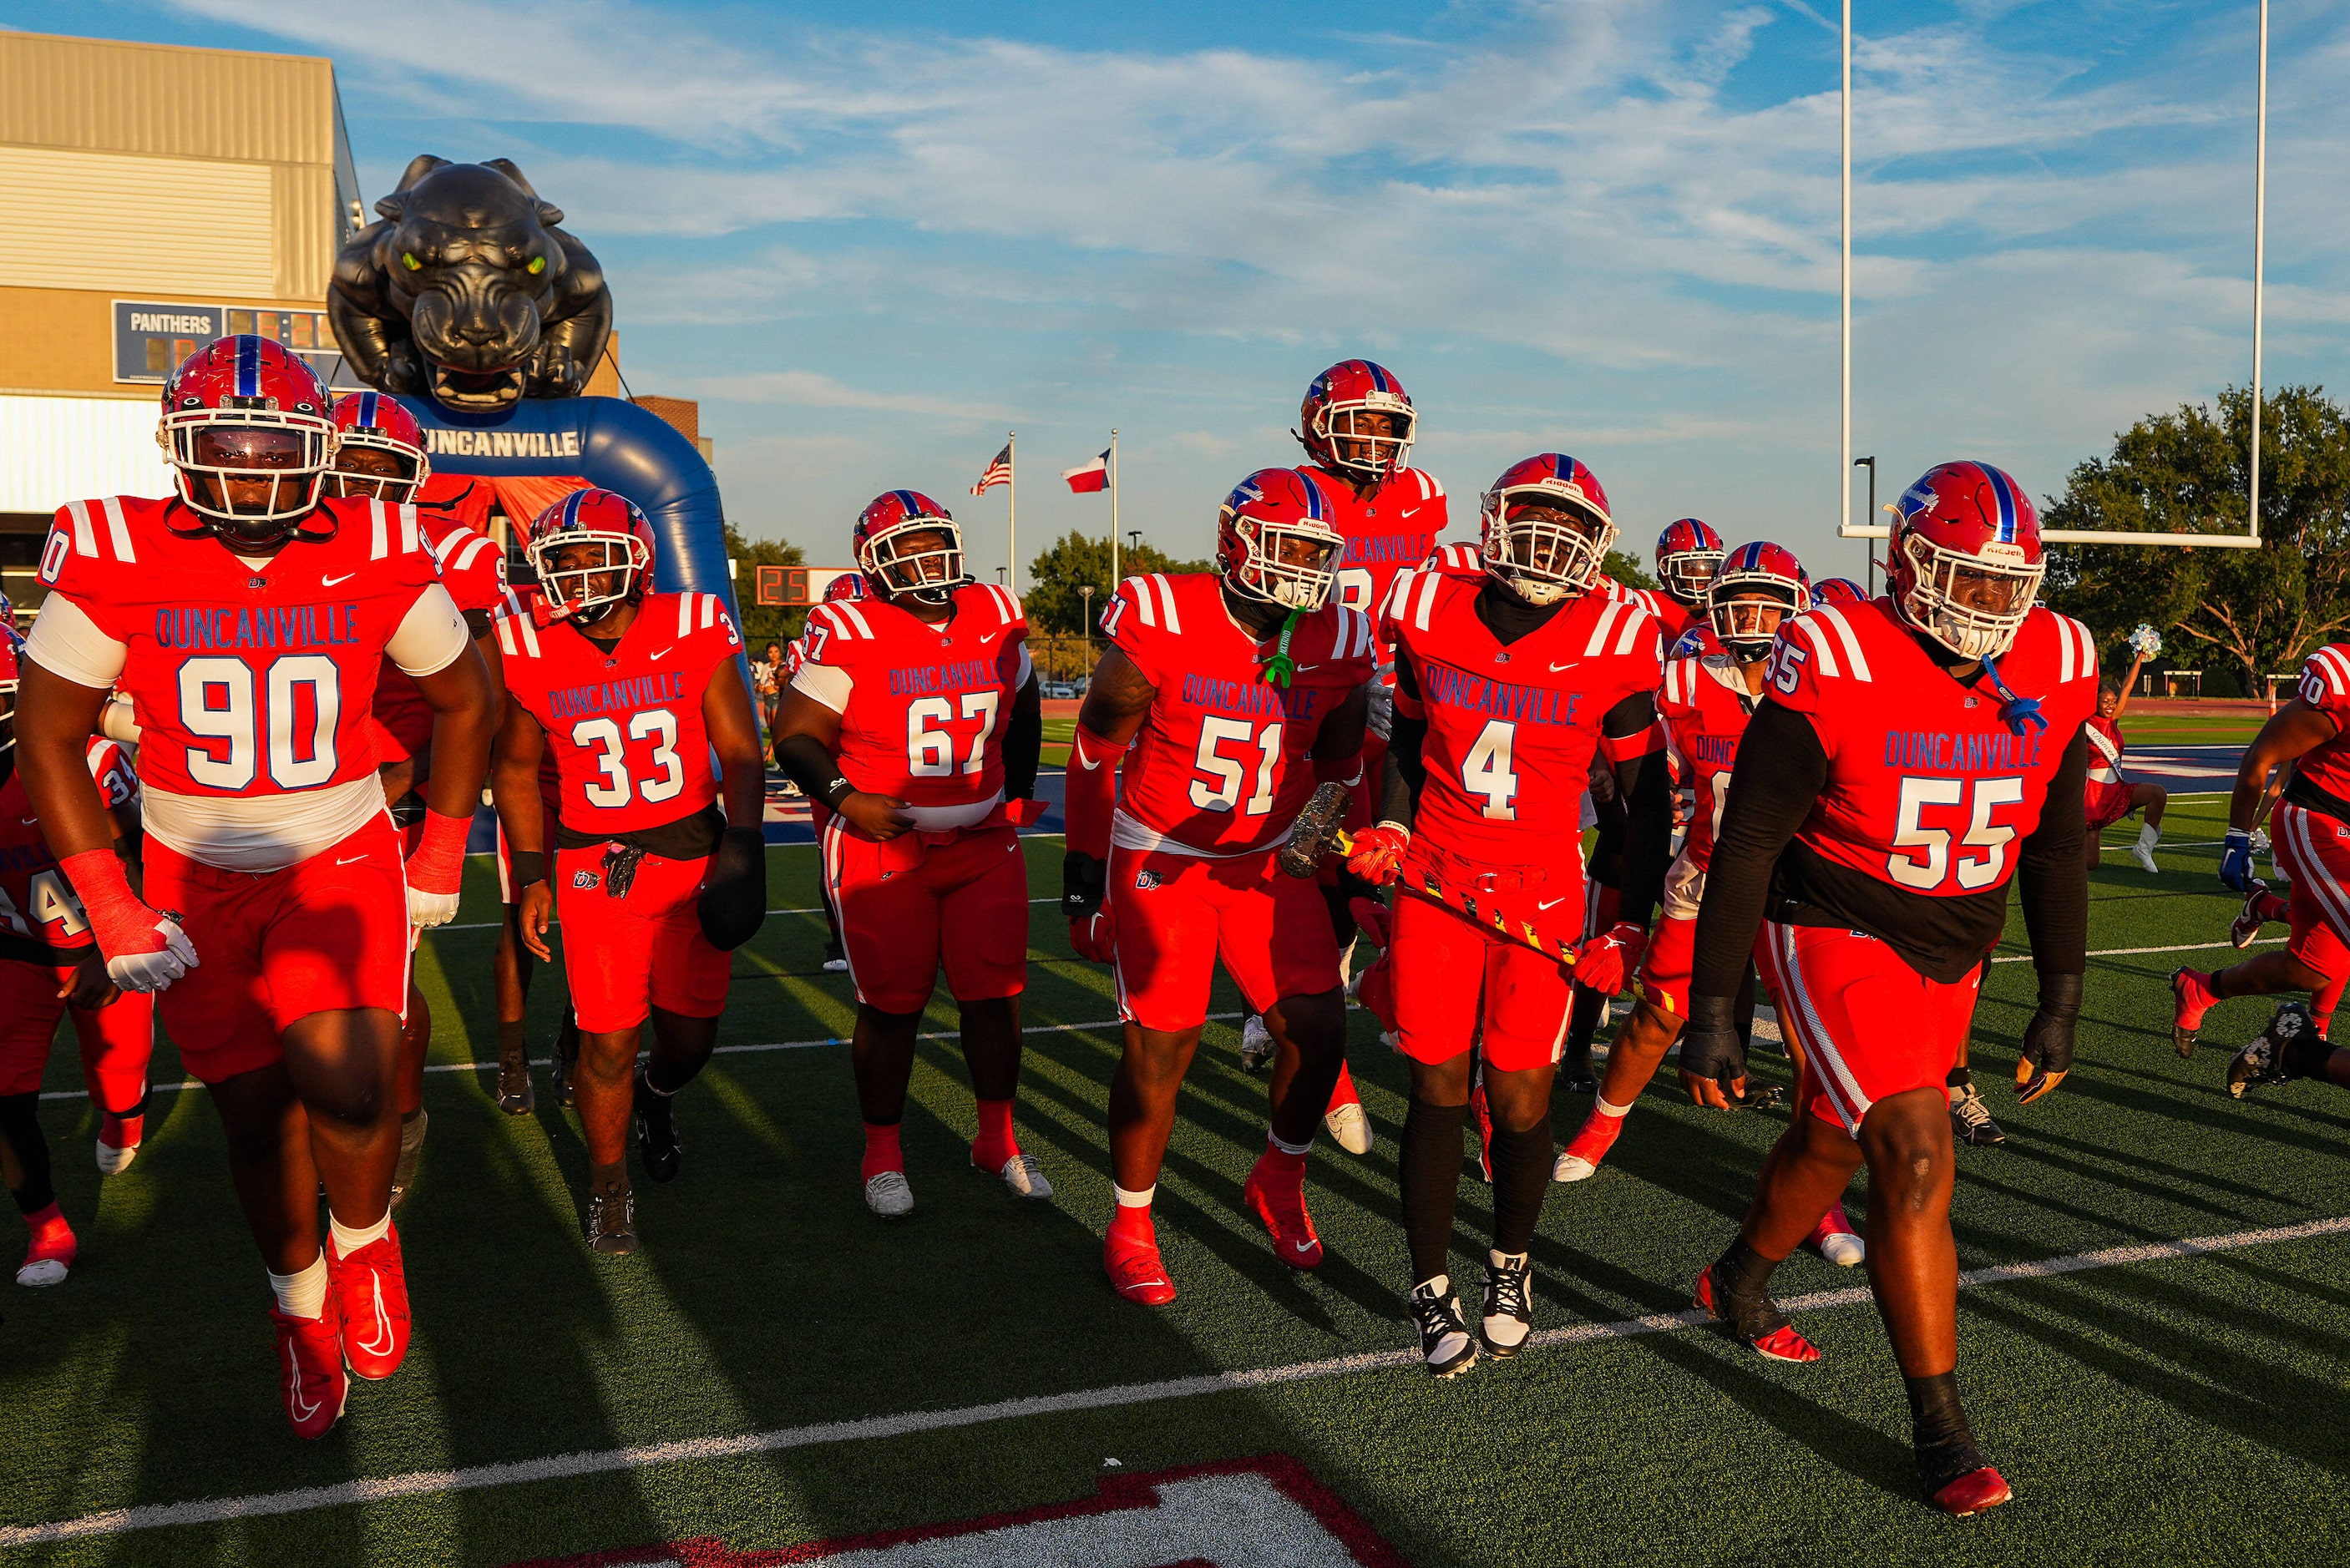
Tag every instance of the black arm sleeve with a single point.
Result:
(1407, 765)
(1024, 742)
(810, 766)
(1778, 772)
(2054, 868)
(1644, 796)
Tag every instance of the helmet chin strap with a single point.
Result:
(2021, 714)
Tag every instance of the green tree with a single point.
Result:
(763, 624)
(1076, 560)
(1625, 567)
(2252, 611)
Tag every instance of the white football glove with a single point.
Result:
(155, 971)
(426, 911)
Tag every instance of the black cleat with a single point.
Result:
(1958, 1478)
(516, 1097)
(1970, 1121)
(1754, 1321)
(1444, 1338)
(657, 1142)
(2263, 1063)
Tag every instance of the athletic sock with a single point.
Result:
(1960, 1078)
(1130, 1219)
(510, 1037)
(1746, 1271)
(996, 1143)
(1522, 1166)
(348, 1241)
(304, 1293)
(1937, 1417)
(1427, 1175)
(1286, 1160)
(49, 1228)
(1600, 1104)
(20, 1124)
(881, 1150)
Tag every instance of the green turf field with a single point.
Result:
(2194, 1409)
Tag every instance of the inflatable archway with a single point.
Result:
(609, 444)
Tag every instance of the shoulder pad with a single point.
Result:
(2325, 679)
(517, 630)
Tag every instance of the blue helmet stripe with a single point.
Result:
(248, 367)
(367, 411)
(1379, 376)
(2006, 503)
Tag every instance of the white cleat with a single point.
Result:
(1256, 1045)
(2144, 857)
(42, 1271)
(1573, 1168)
(1021, 1173)
(1350, 1128)
(113, 1161)
(889, 1194)
(1844, 1249)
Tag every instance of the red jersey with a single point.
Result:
(245, 680)
(922, 707)
(626, 729)
(2105, 746)
(1221, 766)
(1704, 707)
(1513, 728)
(36, 902)
(473, 570)
(1395, 528)
(1929, 790)
(1674, 619)
(2325, 687)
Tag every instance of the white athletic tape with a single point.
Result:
(567, 1466)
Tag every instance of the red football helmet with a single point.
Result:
(1688, 555)
(1546, 528)
(1964, 559)
(373, 422)
(599, 518)
(1758, 586)
(245, 413)
(847, 586)
(1332, 421)
(1838, 591)
(883, 538)
(1275, 541)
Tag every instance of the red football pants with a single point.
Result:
(1452, 973)
(1176, 915)
(1861, 1024)
(116, 1040)
(923, 902)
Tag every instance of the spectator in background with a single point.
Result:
(767, 683)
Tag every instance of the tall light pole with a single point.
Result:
(1134, 541)
(1085, 625)
(1868, 549)
(1113, 517)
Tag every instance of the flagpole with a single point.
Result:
(1012, 505)
(1113, 509)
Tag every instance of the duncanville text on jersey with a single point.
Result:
(257, 626)
(617, 696)
(1499, 699)
(1251, 697)
(1973, 753)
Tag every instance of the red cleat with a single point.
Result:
(310, 1360)
(1280, 1204)
(2190, 991)
(369, 1290)
(1135, 1270)
(1580, 1160)
(53, 1249)
(1974, 1492)
(1759, 1325)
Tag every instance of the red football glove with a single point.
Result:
(436, 870)
(1378, 853)
(1095, 937)
(1605, 963)
(145, 948)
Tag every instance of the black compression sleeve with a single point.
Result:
(1781, 771)
(1024, 742)
(810, 766)
(1407, 765)
(2053, 868)
(1644, 786)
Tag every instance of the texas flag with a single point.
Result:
(1086, 479)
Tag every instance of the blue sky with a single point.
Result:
(872, 238)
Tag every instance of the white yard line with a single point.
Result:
(567, 1466)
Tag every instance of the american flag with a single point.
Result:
(999, 471)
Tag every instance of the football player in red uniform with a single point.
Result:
(1358, 425)
(2112, 797)
(1909, 758)
(914, 719)
(2310, 828)
(1235, 691)
(641, 697)
(847, 586)
(1508, 684)
(247, 619)
(51, 967)
(380, 456)
(1838, 591)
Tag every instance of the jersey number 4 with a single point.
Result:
(1922, 857)
(285, 718)
(52, 904)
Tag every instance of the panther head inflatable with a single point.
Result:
(467, 291)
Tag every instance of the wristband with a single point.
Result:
(439, 863)
(529, 866)
(836, 789)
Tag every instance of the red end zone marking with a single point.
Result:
(1115, 1528)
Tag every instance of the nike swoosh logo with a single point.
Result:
(1560, 899)
(381, 1343)
(1408, 511)
(352, 861)
(1569, 665)
(1303, 1246)
(1084, 761)
(330, 582)
(302, 1411)
(30, 821)
(665, 652)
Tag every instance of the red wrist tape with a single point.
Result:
(439, 863)
(123, 924)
